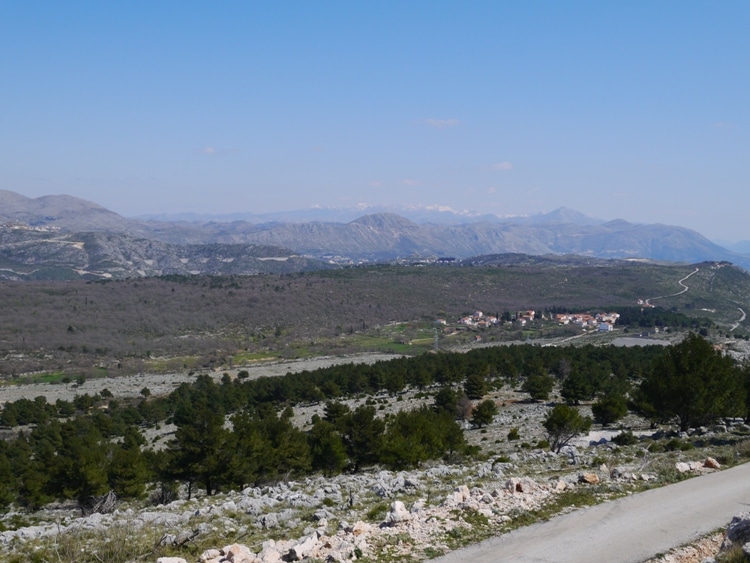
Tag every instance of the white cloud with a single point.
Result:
(442, 123)
(208, 150)
(723, 125)
(408, 182)
(491, 190)
(505, 165)
(375, 184)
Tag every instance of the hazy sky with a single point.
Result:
(634, 110)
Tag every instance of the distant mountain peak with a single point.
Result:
(384, 221)
(63, 211)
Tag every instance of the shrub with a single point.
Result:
(625, 438)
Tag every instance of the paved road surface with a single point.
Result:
(631, 529)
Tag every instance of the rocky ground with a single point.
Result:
(131, 385)
(697, 552)
(377, 515)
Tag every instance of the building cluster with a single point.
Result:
(19, 226)
(480, 320)
(603, 322)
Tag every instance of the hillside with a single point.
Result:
(373, 237)
(28, 254)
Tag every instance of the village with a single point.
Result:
(603, 322)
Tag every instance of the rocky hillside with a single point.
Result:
(377, 236)
(44, 254)
(381, 515)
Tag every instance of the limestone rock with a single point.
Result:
(237, 553)
(360, 528)
(590, 478)
(209, 555)
(397, 513)
(171, 560)
(711, 463)
(302, 549)
(738, 531)
(682, 467)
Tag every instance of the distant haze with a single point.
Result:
(631, 110)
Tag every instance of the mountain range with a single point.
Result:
(64, 236)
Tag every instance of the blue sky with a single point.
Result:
(634, 110)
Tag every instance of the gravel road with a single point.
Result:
(631, 529)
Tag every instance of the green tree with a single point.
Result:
(79, 469)
(445, 401)
(609, 409)
(539, 386)
(475, 387)
(198, 444)
(289, 450)
(484, 413)
(128, 471)
(563, 423)
(249, 448)
(7, 478)
(363, 436)
(412, 437)
(327, 448)
(692, 383)
(576, 387)
(335, 412)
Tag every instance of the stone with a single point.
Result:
(186, 536)
(590, 478)
(302, 549)
(237, 553)
(269, 521)
(209, 554)
(360, 528)
(682, 467)
(514, 485)
(270, 555)
(738, 531)
(397, 513)
(711, 463)
(412, 483)
(459, 495)
(380, 489)
(168, 539)
(462, 492)
(323, 514)
(171, 560)
(228, 506)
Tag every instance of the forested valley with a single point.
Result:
(110, 328)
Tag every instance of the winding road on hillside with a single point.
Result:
(740, 321)
(627, 530)
(681, 282)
